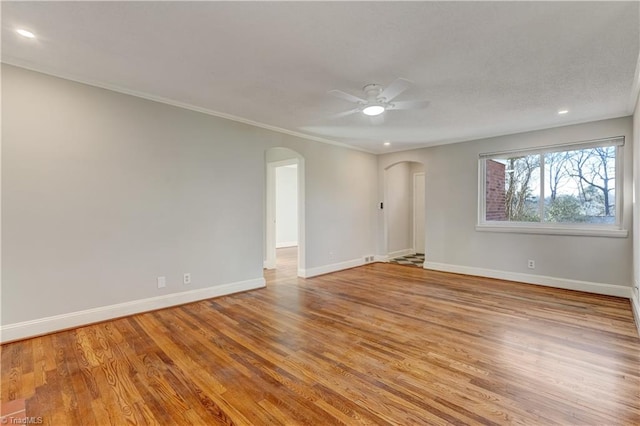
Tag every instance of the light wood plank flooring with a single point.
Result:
(380, 344)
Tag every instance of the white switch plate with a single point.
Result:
(162, 282)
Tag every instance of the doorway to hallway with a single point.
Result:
(404, 213)
(284, 209)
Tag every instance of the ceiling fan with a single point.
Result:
(377, 99)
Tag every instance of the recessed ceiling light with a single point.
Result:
(563, 111)
(373, 110)
(387, 143)
(25, 33)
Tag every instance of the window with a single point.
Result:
(564, 189)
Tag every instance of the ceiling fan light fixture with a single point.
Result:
(25, 33)
(373, 110)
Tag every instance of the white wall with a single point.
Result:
(103, 192)
(451, 173)
(287, 206)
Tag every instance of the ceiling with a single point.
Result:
(488, 68)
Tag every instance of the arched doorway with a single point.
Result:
(284, 206)
(404, 212)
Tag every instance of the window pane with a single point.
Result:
(580, 186)
(513, 189)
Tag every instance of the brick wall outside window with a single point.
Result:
(495, 197)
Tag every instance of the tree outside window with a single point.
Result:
(571, 185)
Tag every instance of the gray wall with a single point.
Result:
(103, 192)
(451, 173)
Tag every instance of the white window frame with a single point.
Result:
(551, 228)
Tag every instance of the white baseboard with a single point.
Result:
(325, 269)
(399, 253)
(287, 244)
(37, 327)
(269, 264)
(380, 258)
(587, 286)
(635, 307)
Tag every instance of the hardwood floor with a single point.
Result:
(378, 344)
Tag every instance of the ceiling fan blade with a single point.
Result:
(395, 88)
(346, 96)
(344, 114)
(409, 105)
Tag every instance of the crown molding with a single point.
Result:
(183, 105)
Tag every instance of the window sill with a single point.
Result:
(554, 230)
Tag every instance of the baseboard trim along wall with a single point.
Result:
(326, 269)
(399, 253)
(568, 284)
(23, 330)
(380, 258)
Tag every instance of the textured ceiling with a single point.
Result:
(488, 68)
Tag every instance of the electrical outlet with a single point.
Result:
(162, 282)
(186, 278)
(531, 264)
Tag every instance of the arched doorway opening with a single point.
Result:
(404, 212)
(284, 207)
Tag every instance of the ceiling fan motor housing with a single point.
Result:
(372, 91)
